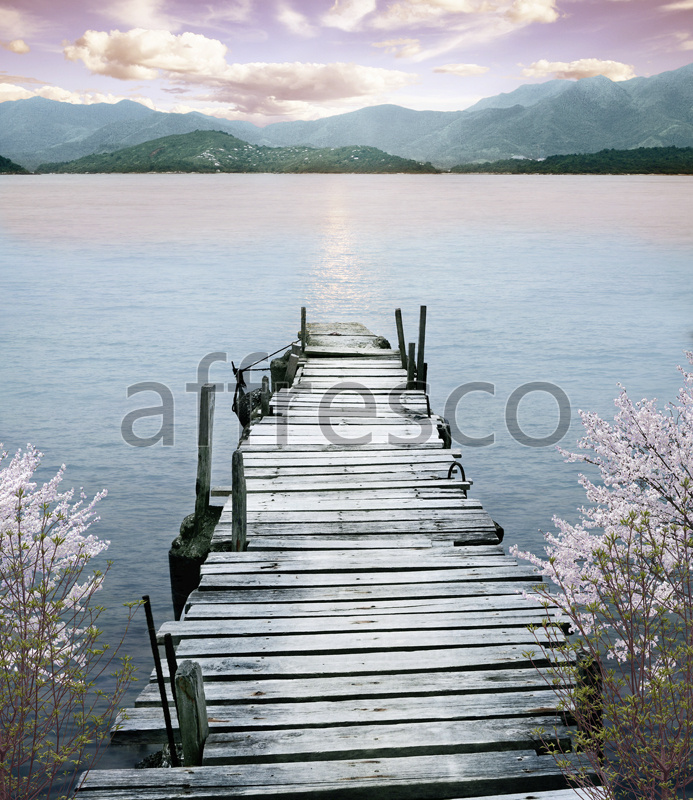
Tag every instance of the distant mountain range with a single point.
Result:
(216, 151)
(534, 121)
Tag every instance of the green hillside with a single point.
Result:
(214, 151)
(8, 167)
(641, 161)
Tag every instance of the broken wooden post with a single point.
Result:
(204, 453)
(238, 503)
(422, 341)
(292, 365)
(192, 712)
(303, 329)
(400, 337)
(411, 361)
(265, 397)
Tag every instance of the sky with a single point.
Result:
(271, 60)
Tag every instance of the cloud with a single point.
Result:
(16, 46)
(401, 48)
(143, 54)
(348, 15)
(6, 77)
(193, 62)
(15, 24)
(464, 23)
(527, 11)
(10, 91)
(684, 39)
(296, 22)
(276, 89)
(583, 68)
(409, 13)
(141, 14)
(151, 14)
(463, 70)
(682, 5)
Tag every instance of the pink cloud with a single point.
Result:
(583, 68)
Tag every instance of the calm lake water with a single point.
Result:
(111, 280)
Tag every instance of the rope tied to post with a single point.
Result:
(239, 372)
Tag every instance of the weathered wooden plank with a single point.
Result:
(351, 687)
(333, 419)
(363, 579)
(367, 663)
(358, 642)
(338, 382)
(312, 542)
(429, 560)
(394, 487)
(450, 533)
(307, 447)
(420, 777)
(385, 559)
(438, 533)
(329, 394)
(365, 352)
(299, 467)
(345, 608)
(445, 512)
(398, 437)
(388, 499)
(411, 520)
(378, 741)
(313, 406)
(403, 591)
(261, 478)
(462, 521)
(347, 457)
(533, 704)
(431, 487)
(309, 414)
(436, 621)
(345, 435)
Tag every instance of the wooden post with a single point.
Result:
(422, 342)
(291, 368)
(204, 453)
(411, 361)
(265, 397)
(238, 503)
(400, 337)
(192, 712)
(303, 329)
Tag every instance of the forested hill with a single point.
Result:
(8, 167)
(641, 161)
(214, 151)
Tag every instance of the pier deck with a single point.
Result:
(370, 642)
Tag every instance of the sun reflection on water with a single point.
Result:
(339, 281)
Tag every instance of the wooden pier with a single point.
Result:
(370, 642)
